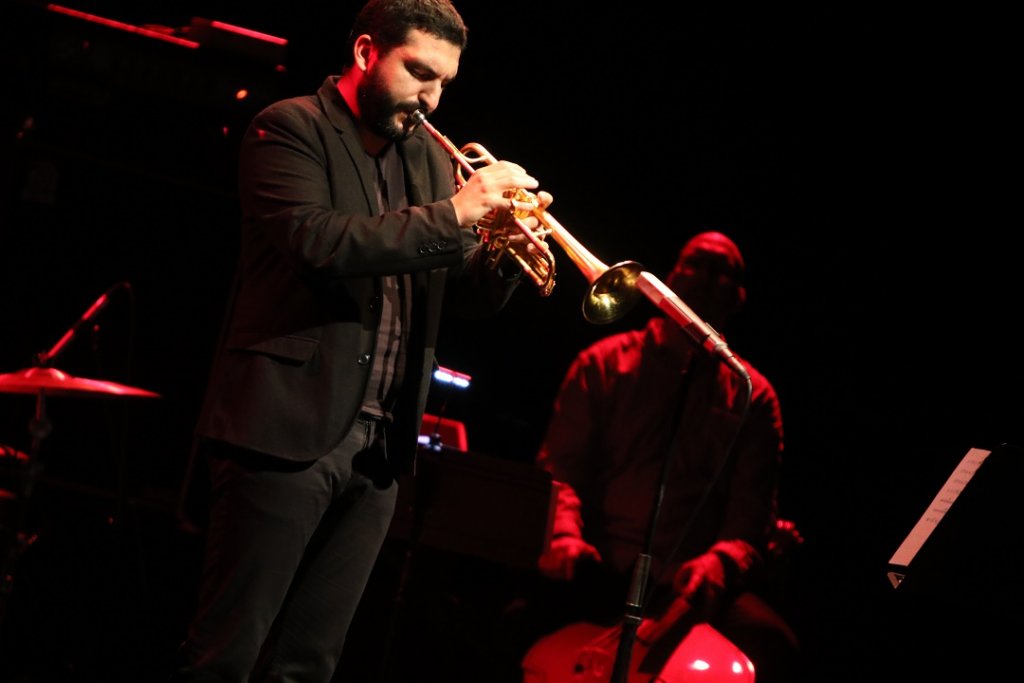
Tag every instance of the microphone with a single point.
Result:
(703, 334)
(43, 358)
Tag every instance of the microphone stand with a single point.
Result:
(702, 334)
(705, 336)
(422, 487)
(45, 358)
(635, 596)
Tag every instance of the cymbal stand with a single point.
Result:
(39, 428)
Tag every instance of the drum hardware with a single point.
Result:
(43, 380)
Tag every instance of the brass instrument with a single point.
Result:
(613, 290)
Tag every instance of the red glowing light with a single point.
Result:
(248, 33)
(120, 25)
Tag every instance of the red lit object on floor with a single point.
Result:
(585, 653)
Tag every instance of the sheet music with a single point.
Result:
(940, 505)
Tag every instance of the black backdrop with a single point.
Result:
(854, 156)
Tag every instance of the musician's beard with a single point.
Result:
(380, 110)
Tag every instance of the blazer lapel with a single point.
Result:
(338, 114)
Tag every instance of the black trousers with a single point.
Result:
(289, 550)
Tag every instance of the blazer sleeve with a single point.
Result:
(304, 191)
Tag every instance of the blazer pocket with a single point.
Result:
(289, 348)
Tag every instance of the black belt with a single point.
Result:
(370, 417)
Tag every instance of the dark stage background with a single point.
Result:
(854, 155)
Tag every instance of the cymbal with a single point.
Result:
(53, 382)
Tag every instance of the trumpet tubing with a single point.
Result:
(613, 290)
(496, 229)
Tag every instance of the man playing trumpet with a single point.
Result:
(353, 236)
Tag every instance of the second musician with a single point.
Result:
(634, 407)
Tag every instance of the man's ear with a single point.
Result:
(361, 49)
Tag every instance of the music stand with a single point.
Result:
(967, 548)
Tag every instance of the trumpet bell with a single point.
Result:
(613, 293)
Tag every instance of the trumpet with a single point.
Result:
(613, 290)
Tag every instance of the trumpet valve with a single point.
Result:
(522, 203)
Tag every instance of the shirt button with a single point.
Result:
(364, 359)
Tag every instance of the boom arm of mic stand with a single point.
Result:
(703, 334)
(44, 358)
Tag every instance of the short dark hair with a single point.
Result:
(388, 22)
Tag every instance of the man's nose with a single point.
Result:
(430, 96)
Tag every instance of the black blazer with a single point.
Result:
(294, 357)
